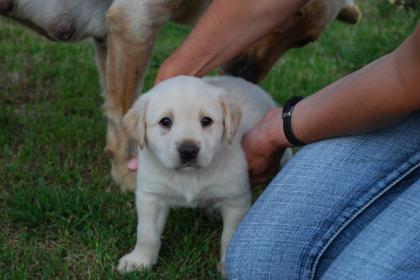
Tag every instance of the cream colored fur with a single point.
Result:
(218, 177)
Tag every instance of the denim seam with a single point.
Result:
(360, 210)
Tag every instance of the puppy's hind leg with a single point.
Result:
(151, 221)
(133, 27)
(233, 211)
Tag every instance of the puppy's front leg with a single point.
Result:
(152, 216)
(233, 211)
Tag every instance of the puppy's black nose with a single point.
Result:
(188, 151)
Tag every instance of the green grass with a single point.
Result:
(61, 215)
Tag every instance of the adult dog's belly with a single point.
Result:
(75, 20)
(60, 20)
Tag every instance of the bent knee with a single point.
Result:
(244, 261)
(253, 257)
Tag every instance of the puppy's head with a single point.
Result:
(184, 121)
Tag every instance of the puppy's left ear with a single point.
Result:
(135, 121)
(232, 115)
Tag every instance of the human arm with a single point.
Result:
(226, 28)
(375, 96)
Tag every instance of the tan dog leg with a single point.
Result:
(101, 55)
(118, 143)
(133, 28)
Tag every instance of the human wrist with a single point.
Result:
(275, 129)
(288, 128)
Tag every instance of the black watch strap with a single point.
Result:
(287, 121)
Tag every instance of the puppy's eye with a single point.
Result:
(166, 122)
(206, 121)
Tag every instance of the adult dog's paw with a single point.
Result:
(134, 261)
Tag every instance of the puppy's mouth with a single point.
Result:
(188, 166)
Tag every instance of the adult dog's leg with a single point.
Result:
(133, 27)
(118, 143)
(101, 55)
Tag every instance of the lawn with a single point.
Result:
(61, 215)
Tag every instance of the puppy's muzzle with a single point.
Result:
(188, 152)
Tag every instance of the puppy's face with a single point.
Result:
(184, 130)
(184, 121)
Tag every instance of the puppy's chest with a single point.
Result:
(191, 192)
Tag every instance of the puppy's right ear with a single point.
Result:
(135, 121)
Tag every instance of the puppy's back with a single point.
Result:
(253, 101)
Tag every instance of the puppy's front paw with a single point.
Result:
(134, 261)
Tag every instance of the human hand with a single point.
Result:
(264, 146)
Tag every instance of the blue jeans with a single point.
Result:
(346, 208)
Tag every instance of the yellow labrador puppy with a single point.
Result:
(189, 131)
